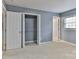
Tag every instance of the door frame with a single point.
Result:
(4, 23)
(38, 28)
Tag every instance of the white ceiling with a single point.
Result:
(57, 6)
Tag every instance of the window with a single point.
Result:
(70, 22)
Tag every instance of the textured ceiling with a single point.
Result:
(57, 6)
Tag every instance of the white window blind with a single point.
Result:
(70, 22)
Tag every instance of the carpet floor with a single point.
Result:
(55, 50)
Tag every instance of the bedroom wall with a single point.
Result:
(46, 20)
(66, 33)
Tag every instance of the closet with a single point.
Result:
(22, 29)
(30, 29)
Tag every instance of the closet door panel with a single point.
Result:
(13, 38)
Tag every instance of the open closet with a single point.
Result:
(30, 29)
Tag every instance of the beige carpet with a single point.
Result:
(56, 50)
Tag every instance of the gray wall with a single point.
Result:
(68, 34)
(46, 20)
(46, 23)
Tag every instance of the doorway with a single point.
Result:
(30, 29)
(56, 28)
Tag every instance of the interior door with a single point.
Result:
(13, 30)
(56, 28)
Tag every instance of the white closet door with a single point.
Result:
(13, 33)
(56, 28)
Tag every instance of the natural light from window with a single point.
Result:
(70, 22)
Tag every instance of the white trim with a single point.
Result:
(23, 31)
(46, 42)
(29, 41)
(38, 27)
(4, 26)
(3, 7)
(32, 14)
(68, 42)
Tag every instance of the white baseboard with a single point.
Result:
(68, 42)
(39, 43)
(29, 41)
(46, 42)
